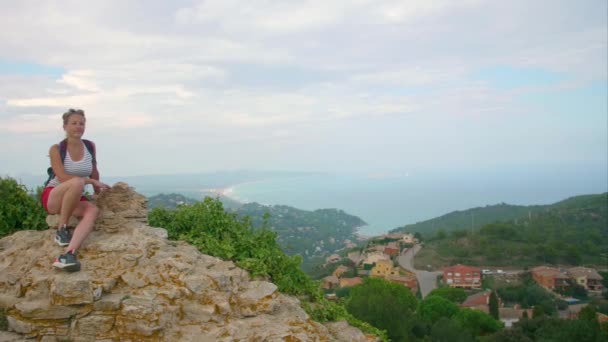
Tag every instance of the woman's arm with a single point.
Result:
(95, 173)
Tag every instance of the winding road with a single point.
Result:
(426, 280)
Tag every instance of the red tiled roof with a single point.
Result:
(481, 298)
(590, 273)
(348, 282)
(462, 269)
(548, 272)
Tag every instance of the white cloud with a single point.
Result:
(80, 80)
(233, 71)
(400, 11)
(413, 76)
(268, 16)
(55, 101)
(30, 123)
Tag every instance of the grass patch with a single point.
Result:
(3, 320)
(428, 256)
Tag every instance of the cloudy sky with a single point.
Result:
(382, 87)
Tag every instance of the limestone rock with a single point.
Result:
(6, 336)
(53, 221)
(71, 289)
(257, 299)
(345, 333)
(135, 285)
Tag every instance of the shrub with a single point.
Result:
(3, 320)
(18, 210)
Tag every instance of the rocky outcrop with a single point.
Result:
(135, 285)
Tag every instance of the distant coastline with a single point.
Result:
(223, 192)
(384, 203)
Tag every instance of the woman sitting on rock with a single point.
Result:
(73, 166)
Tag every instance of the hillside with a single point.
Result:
(570, 232)
(306, 233)
(168, 201)
(475, 218)
(314, 235)
(172, 200)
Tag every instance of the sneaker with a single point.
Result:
(63, 236)
(67, 262)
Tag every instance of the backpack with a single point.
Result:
(63, 150)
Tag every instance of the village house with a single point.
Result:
(409, 239)
(402, 237)
(338, 272)
(571, 312)
(350, 282)
(355, 257)
(383, 269)
(549, 277)
(478, 301)
(481, 301)
(462, 276)
(333, 258)
(392, 249)
(588, 278)
(330, 282)
(372, 258)
(376, 248)
(510, 316)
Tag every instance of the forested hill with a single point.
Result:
(570, 232)
(475, 218)
(310, 234)
(172, 200)
(168, 201)
(307, 233)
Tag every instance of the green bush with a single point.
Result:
(3, 320)
(214, 231)
(326, 311)
(18, 210)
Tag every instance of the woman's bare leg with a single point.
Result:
(65, 198)
(88, 211)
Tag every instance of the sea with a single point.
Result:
(384, 200)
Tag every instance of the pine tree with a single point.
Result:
(493, 305)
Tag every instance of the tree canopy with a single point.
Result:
(385, 305)
(477, 322)
(454, 294)
(432, 308)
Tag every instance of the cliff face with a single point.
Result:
(136, 285)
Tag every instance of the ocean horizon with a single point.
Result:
(389, 202)
(384, 200)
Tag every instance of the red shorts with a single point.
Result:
(45, 197)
